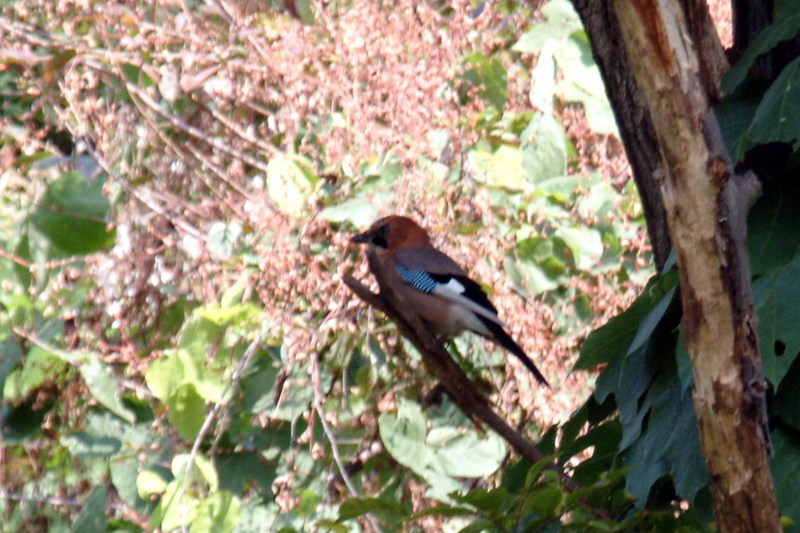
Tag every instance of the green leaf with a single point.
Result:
(585, 243)
(73, 215)
(776, 117)
(223, 238)
(124, 475)
(501, 167)
(491, 78)
(92, 517)
(670, 442)
(404, 435)
(217, 513)
(83, 444)
(580, 81)
(489, 501)
(355, 507)
(781, 29)
(785, 467)
(617, 334)
(544, 149)
(149, 483)
(461, 454)
(164, 376)
(290, 181)
(537, 264)
(447, 511)
(772, 236)
(735, 111)
(40, 366)
(104, 388)
(775, 297)
(561, 21)
(360, 211)
(545, 501)
(186, 411)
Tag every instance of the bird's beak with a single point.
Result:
(360, 238)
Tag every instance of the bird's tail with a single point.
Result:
(500, 336)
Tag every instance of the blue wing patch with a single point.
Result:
(419, 279)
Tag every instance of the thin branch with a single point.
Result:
(244, 363)
(315, 383)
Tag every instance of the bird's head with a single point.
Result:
(393, 233)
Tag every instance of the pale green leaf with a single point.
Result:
(104, 388)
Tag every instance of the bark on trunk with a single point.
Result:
(706, 208)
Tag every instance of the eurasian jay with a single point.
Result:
(437, 288)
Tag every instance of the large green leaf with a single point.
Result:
(502, 167)
(775, 296)
(404, 434)
(73, 215)
(489, 76)
(460, 454)
(186, 411)
(218, 513)
(92, 517)
(617, 334)
(585, 243)
(561, 21)
(290, 181)
(544, 149)
(784, 27)
(776, 118)
(785, 467)
(772, 236)
(670, 443)
(104, 388)
(537, 264)
(40, 366)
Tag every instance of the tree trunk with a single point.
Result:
(676, 61)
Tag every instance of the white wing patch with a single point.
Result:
(453, 290)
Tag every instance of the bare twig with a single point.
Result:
(244, 363)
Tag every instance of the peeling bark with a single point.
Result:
(706, 207)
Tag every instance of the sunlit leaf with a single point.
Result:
(544, 149)
(501, 167)
(219, 512)
(290, 181)
(461, 454)
(186, 411)
(149, 482)
(104, 388)
(404, 434)
(73, 215)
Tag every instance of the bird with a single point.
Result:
(435, 286)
